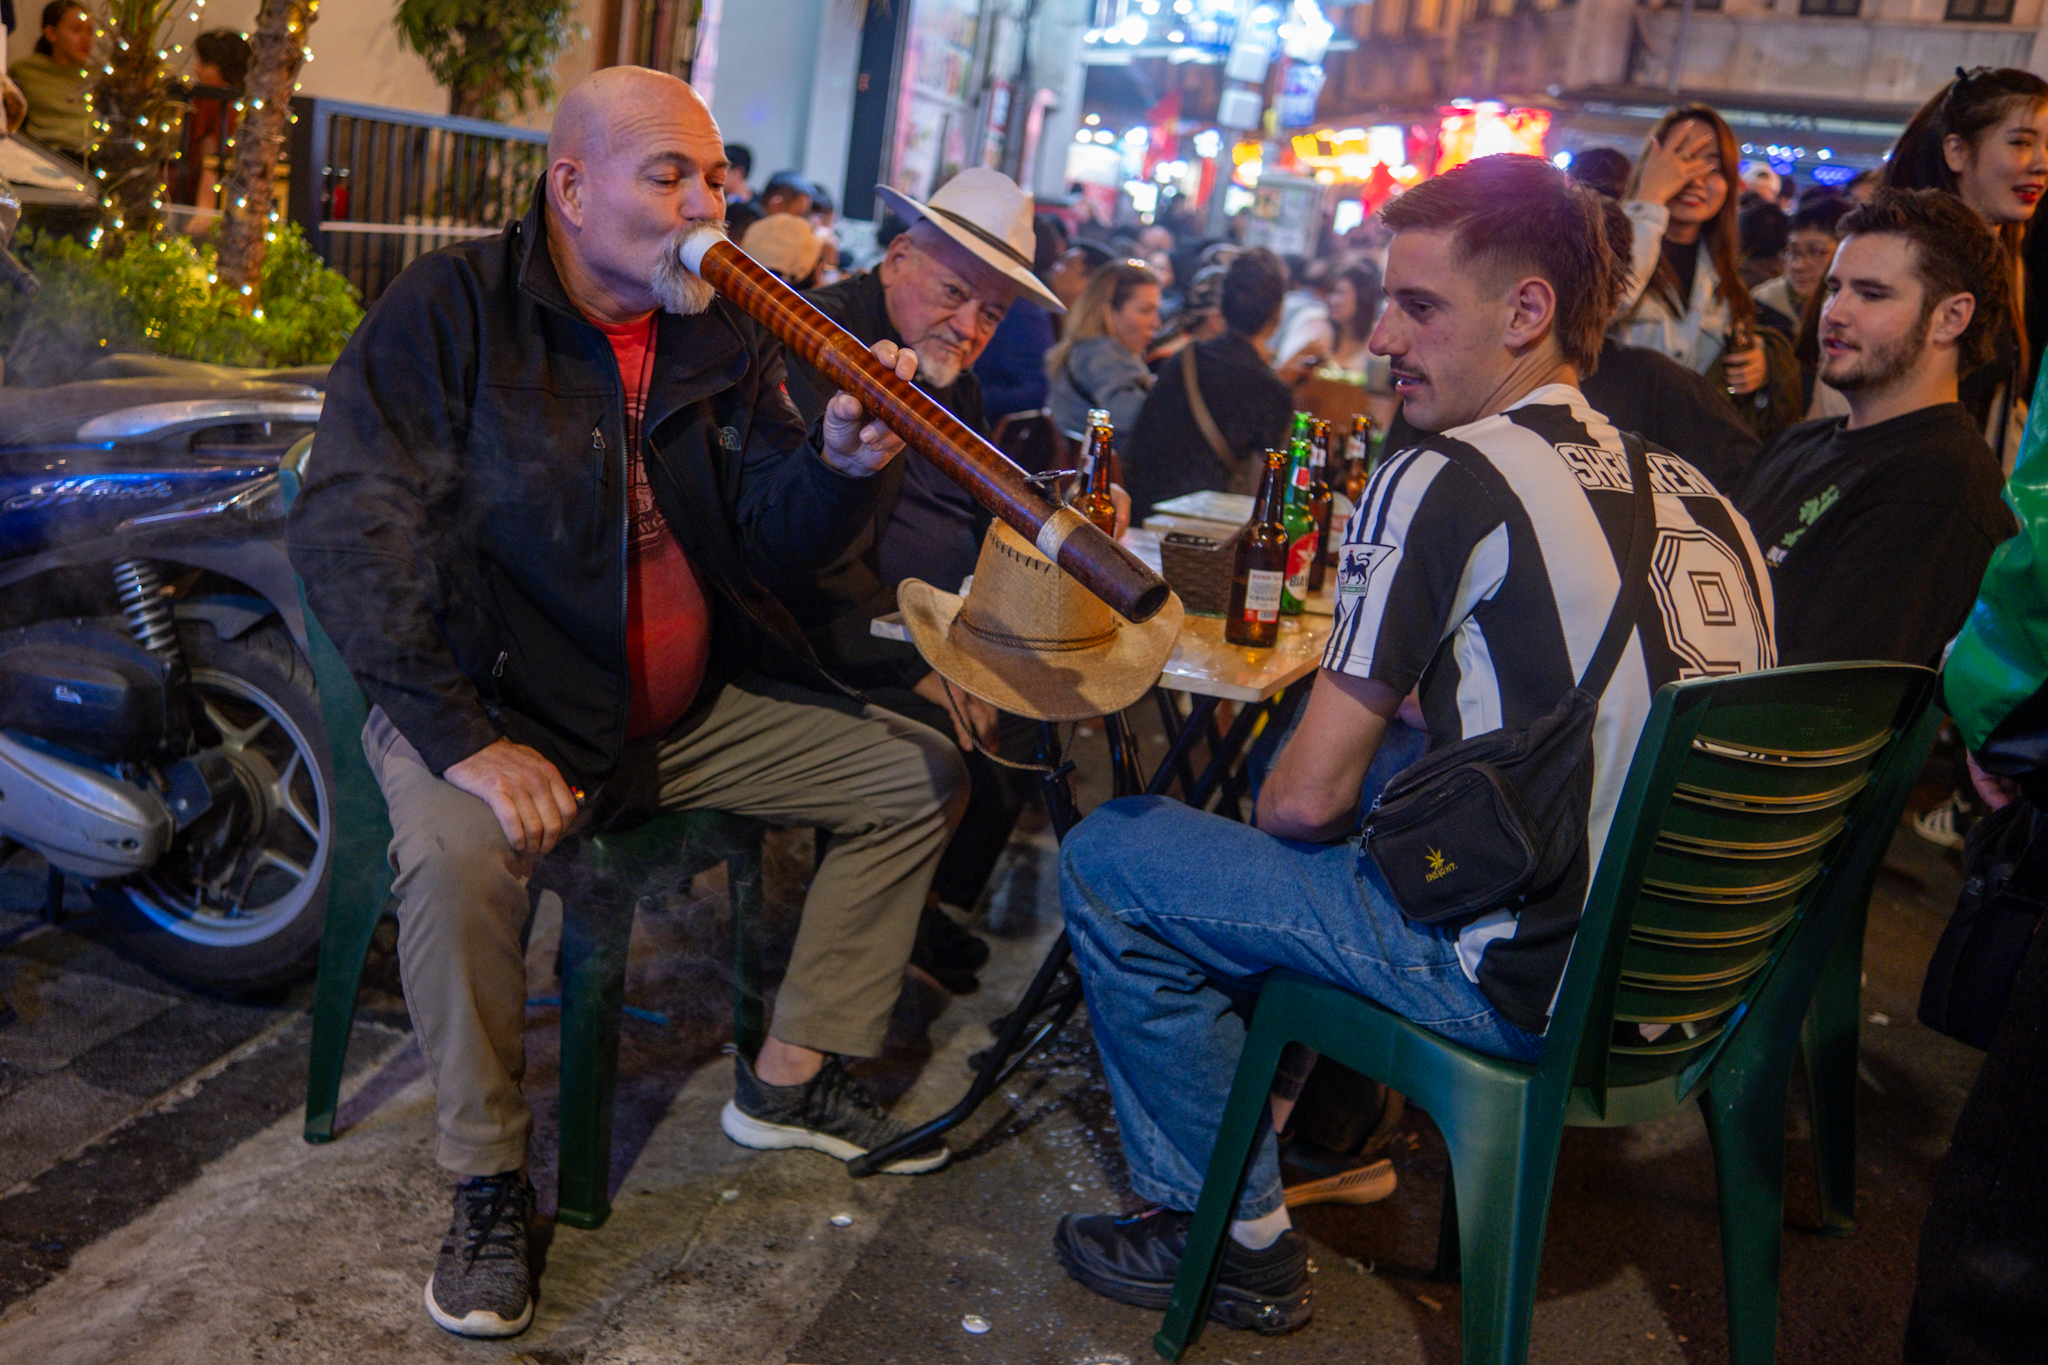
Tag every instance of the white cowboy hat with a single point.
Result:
(987, 213)
(1029, 640)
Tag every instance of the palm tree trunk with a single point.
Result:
(139, 124)
(277, 50)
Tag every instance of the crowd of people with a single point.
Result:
(1822, 441)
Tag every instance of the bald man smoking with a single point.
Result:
(555, 487)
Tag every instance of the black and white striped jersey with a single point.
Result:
(1482, 564)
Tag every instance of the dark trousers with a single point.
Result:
(1982, 1295)
(996, 796)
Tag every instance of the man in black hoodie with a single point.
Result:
(1877, 526)
(554, 490)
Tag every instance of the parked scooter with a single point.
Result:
(160, 740)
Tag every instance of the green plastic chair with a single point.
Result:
(1832, 1033)
(600, 879)
(1754, 816)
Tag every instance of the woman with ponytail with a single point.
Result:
(1984, 139)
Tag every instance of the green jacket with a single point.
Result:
(57, 113)
(2000, 659)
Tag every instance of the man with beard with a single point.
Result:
(942, 288)
(1877, 526)
(1482, 566)
(556, 484)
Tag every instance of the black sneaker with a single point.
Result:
(1134, 1259)
(831, 1113)
(483, 1285)
(948, 953)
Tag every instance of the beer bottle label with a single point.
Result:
(1262, 595)
(1300, 556)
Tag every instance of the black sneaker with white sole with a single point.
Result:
(832, 1113)
(1134, 1259)
(483, 1283)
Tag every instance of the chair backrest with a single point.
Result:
(1753, 803)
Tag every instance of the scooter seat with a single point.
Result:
(53, 415)
(143, 365)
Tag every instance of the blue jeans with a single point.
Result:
(1174, 916)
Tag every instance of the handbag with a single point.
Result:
(2005, 890)
(1498, 820)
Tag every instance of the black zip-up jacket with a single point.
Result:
(462, 531)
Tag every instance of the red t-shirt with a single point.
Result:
(668, 619)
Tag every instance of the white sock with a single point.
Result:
(1256, 1234)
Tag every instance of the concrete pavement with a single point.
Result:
(275, 1251)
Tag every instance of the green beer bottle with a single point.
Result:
(1301, 529)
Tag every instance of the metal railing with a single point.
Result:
(374, 187)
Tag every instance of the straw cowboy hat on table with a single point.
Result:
(985, 212)
(1029, 640)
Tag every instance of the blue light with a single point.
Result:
(1833, 175)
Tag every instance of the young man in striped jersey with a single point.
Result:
(1475, 578)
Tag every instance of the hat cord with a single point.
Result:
(1046, 643)
(974, 740)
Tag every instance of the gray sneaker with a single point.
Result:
(832, 1113)
(483, 1284)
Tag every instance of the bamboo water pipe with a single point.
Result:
(1061, 534)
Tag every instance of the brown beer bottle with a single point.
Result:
(1096, 504)
(1261, 568)
(1358, 459)
(1319, 501)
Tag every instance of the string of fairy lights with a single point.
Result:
(137, 115)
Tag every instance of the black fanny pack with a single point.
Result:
(2005, 892)
(1496, 820)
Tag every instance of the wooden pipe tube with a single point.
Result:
(1061, 534)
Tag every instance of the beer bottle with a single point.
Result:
(1319, 499)
(1257, 576)
(1358, 459)
(1299, 431)
(1096, 504)
(1301, 531)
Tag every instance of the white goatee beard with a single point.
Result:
(675, 286)
(938, 373)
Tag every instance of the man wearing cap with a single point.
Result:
(941, 290)
(787, 245)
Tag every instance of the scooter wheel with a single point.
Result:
(250, 921)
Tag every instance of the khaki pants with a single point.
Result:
(888, 790)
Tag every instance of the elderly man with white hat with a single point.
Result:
(941, 290)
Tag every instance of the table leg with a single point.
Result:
(1224, 757)
(1126, 778)
(1181, 738)
(1057, 780)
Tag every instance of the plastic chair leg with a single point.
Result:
(1746, 1125)
(344, 944)
(1501, 1201)
(596, 927)
(1830, 1037)
(1450, 1264)
(743, 879)
(1243, 1120)
(358, 879)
